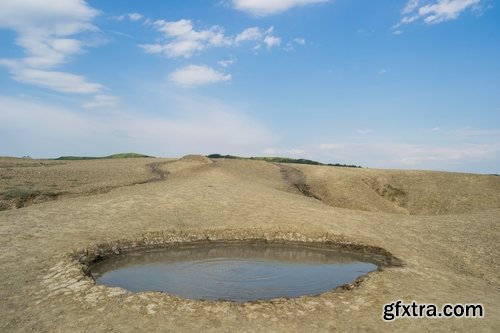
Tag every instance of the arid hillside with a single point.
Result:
(444, 229)
(403, 192)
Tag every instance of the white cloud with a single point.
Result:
(135, 16)
(203, 126)
(445, 10)
(272, 41)
(226, 63)
(411, 6)
(57, 81)
(267, 7)
(449, 156)
(300, 41)
(436, 11)
(57, 17)
(183, 40)
(47, 53)
(463, 149)
(256, 34)
(253, 33)
(382, 71)
(418, 155)
(196, 75)
(131, 16)
(406, 20)
(48, 34)
(152, 48)
(43, 29)
(101, 101)
(290, 45)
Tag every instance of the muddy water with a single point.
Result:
(235, 271)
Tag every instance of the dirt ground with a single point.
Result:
(443, 227)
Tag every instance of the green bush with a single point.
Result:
(20, 193)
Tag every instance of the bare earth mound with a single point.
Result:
(56, 215)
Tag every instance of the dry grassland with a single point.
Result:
(444, 227)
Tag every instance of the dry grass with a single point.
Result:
(24, 181)
(445, 227)
(404, 192)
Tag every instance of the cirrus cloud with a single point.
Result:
(436, 11)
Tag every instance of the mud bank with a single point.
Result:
(72, 275)
(106, 251)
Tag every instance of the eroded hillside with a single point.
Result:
(403, 192)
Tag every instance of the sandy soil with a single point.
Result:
(444, 227)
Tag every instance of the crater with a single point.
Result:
(237, 270)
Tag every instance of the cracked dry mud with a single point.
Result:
(444, 227)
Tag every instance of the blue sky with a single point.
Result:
(384, 84)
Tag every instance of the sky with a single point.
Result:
(384, 84)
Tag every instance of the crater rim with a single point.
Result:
(85, 258)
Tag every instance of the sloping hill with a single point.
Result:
(403, 192)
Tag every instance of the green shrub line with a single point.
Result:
(284, 160)
(114, 156)
(25, 193)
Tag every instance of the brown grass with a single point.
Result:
(444, 227)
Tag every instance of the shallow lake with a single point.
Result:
(234, 271)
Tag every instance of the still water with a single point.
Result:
(234, 271)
